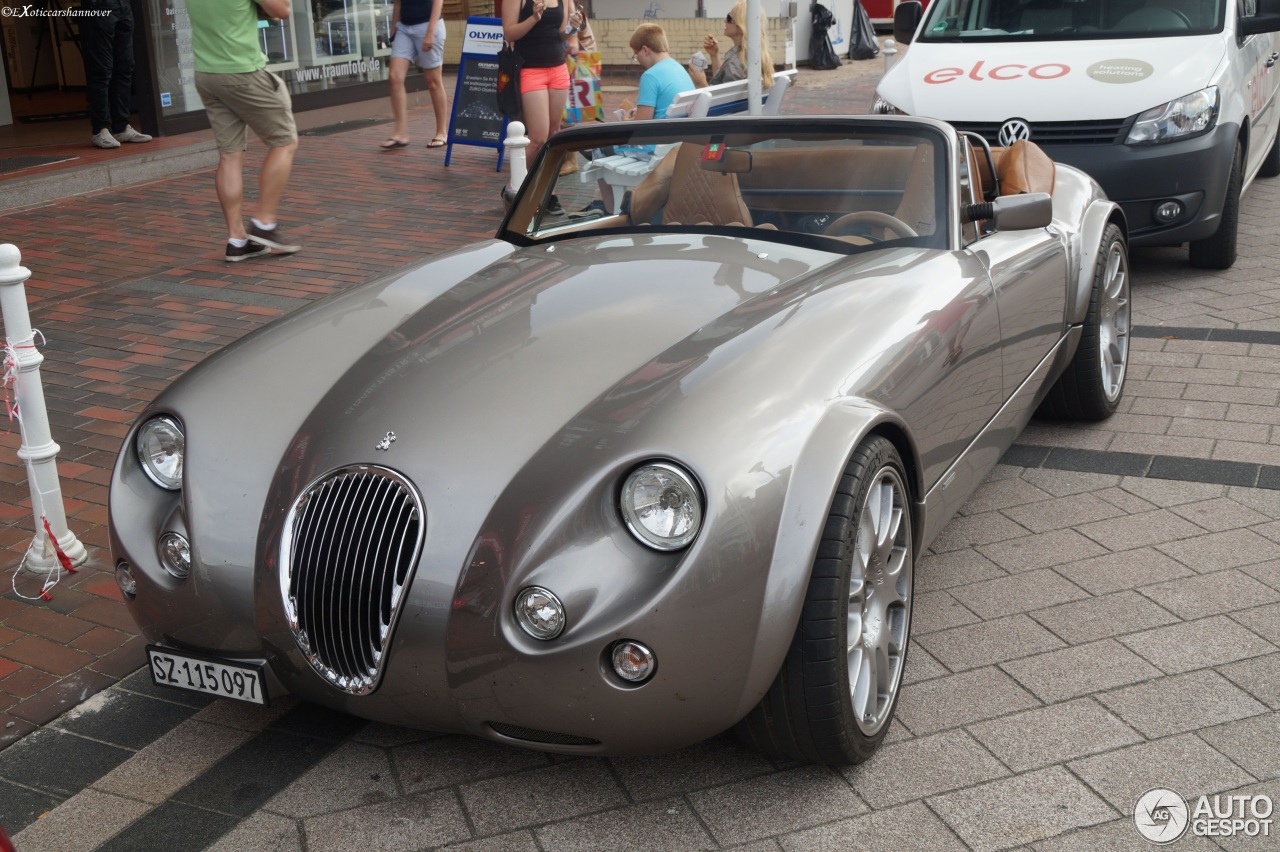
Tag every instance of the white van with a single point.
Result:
(1169, 104)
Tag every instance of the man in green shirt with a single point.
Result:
(239, 93)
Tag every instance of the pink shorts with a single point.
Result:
(536, 79)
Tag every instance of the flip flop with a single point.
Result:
(392, 144)
(437, 142)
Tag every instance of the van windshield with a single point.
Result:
(1061, 20)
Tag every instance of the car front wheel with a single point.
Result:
(1219, 250)
(836, 693)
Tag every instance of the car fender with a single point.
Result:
(817, 473)
(1099, 214)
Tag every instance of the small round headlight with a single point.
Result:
(539, 612)
(661, 506)
(124, 579)
(633, 662)
(161, 446)
(175, 554)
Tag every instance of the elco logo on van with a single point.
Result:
(1013, 71)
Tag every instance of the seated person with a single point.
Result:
(733, 65)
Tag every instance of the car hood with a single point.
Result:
(1050, 81)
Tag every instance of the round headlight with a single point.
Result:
(539, 612)
(661, 506)
(175, 554)
(161, 446)
(633, 662)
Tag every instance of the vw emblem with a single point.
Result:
(1013, 130)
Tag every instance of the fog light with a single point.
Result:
(1168, 211)
(539, 612)
(175, 554)
(633, 662)
(124, 579)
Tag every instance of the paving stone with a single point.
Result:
(989, 642)
(1253, 743)
(55, 762)
(1260, 677)
(1116, 836)
(352, 773)
(80, 824)
(1061, 483)
(1129, 569)
(171, 761)
(920, 666)
(1242, 842)
(1081, 670)
(520, 800)
(123, 718)
(911, 827)
(1267, 572)
(1037, 738)
(1220, 551)
(786, 801)
(1102, 617)
(1030, 590)
(1041, 551)
(1149, 528)
(975, 530)
(1174, 705)
(1197, 644)
(955, 700)
(1219, 514)
(1211, 594)
(938, 611)
(1061, 512)
(1005, 813)
(1262, 620)
(262, 832)
(1125, 501)
(955, 568)
(516, 841)
(1002, 494)
(1185, 764)
(431, 819)
(665, 825)
(905, 771)
(20, 806)
(446, 761)
(718, 760)
(1168, 493)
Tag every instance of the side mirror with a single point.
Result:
(906, 17)
(1260, 23)
(1014, 212)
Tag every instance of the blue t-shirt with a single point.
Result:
(660, 84)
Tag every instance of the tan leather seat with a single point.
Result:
(1024, 167)
(918, 207)
(701, 195)
(652, 193)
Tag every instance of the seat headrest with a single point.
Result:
(1023, 167)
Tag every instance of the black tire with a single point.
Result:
(1271, 163)
(1219, 251)
(1091, 386)
(810, 712)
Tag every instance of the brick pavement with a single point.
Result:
(1102, 617)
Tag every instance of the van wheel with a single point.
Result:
(1089, 389)
(1219, 250)
(838, 687)
(1271, 164)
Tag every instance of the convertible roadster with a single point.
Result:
(657, 460)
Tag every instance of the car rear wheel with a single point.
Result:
(1219, 250)
(1090, 387)
(836, 693)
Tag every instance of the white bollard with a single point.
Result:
(38, 449)
(890, 51)
(515, 144)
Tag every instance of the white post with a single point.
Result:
(890, 51)
(38, 449)
(515, 144)
(755, 96)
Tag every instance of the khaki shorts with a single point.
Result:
(258, 99)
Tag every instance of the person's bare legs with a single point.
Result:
(272, 181)
(557, 99)
(229, 182)
(399, 99)
(537, 120)
(439, 100)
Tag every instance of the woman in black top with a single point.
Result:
(537, 28)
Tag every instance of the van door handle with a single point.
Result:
(1271, 60)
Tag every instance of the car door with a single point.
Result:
(1256, 59)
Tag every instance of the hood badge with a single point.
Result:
(386, 442)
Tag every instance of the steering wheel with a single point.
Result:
(870, 217)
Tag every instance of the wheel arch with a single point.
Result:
(1097, 217)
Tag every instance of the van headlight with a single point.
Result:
(1181, 118)
(161, 446)
(662, 506)
(882, 107)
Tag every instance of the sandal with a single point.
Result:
(437, 142)
(393, 143)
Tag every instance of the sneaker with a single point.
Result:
(236, 253)
(271, 239)
(553, 207)
(131, 135)
(104, 139)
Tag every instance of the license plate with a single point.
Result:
(210, 675)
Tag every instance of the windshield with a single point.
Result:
(1040, 20)
(839, 184)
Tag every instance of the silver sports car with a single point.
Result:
(657, 460)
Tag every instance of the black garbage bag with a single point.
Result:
(862, 39)
(822, 55)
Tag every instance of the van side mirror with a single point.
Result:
(1014, 212)
(905, 20)
(1263, 22)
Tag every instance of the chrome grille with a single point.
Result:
(1103, 132)
(350, 545)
